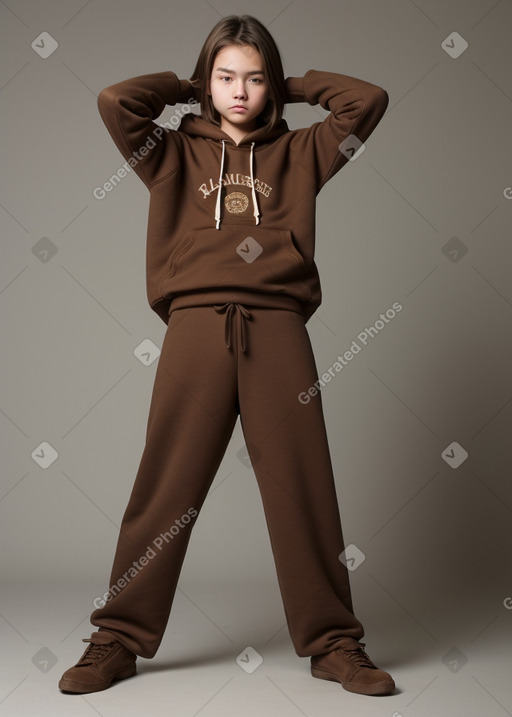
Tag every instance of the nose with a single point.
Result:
(240, 89)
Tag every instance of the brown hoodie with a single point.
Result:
(232, 222)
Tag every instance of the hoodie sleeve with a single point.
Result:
(128, 109)
(356, 107)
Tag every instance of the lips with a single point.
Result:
(238, 107)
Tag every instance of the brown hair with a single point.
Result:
(241, 30)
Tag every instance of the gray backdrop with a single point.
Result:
(422, 217)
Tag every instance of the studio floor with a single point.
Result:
(196, 672)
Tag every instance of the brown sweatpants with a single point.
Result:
(218, 362)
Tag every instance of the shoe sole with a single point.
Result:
(380, 688)
(80, 688)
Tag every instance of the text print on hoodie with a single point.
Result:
(232, 222)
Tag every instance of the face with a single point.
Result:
(238, 79)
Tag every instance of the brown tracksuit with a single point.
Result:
(236, 283)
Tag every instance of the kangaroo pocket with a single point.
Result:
(251, 258)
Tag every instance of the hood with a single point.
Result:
(195, 126)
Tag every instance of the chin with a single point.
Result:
(241, 120)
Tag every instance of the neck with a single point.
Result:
(237, 132)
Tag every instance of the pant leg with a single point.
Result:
(192, 414)
(288, 447)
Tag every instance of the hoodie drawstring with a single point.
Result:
(217, 207)
(256, 210)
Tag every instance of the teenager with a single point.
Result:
(231, 271)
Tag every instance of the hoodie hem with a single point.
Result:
(249, 298)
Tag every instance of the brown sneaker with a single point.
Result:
(104, 661)
(350, 665)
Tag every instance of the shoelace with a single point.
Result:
(95, 652)
(358, 656)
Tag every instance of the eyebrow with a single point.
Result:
(232, 72)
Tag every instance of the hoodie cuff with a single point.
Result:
(186, 92)
(295, 89)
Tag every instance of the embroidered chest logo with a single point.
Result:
(236, 202)
(232, 179)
